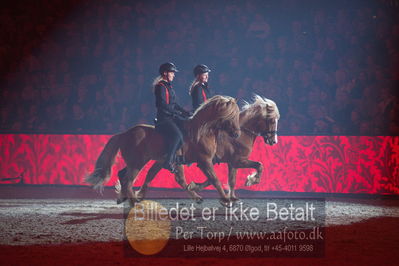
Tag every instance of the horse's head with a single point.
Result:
(265, 115)
(269, 133)
(218, 113)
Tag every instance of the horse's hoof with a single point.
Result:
(234, 199)
(119, 201)
(132, 202)
(118, 187)
(139, 197)
(234, 202)
(251, 181)
(226, 204)
(199, 200)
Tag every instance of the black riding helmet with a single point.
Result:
(199, 69)
(167, 67)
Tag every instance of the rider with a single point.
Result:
(169, 113)
(199, 90)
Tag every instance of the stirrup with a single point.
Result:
(216, 160)
(169, 167)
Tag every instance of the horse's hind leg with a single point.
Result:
(207, 169)
(181, 180)
(126, 177)
(126, 185)
(232, 183)
(155, 168)
(121, 187)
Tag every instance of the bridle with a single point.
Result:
(250, 132)
(269, 136)
(264, 134)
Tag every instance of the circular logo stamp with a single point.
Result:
(148, 227)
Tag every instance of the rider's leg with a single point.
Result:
(175, 139)
(122, 173)
(155, 168)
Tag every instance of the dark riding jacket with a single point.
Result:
(165, 101)
(199, 94)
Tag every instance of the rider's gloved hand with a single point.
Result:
(180, 116)
(177, 115)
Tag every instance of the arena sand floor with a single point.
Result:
(73, 225)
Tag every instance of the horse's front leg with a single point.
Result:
(207, 168)
(253, 178)
(181, 180)
(197, 187)
(152, 172)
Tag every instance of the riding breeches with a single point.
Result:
(173, 136)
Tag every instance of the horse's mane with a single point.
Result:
(268, 107)
(211, 113)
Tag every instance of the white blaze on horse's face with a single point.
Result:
(270, 137)
(275, 130)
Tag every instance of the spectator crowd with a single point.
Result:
(78, 66)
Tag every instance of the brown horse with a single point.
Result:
(143, 143)
(257, 119)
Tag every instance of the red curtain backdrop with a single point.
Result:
(356, 164)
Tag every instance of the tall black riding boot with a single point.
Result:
(122, 173)
(170, 158)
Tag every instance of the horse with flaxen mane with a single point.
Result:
(143, 143)
(259, 118)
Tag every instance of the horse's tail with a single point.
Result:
(101, 173)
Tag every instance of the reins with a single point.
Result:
(258, 134)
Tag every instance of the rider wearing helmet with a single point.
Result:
(199, 90)
(169, 113)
